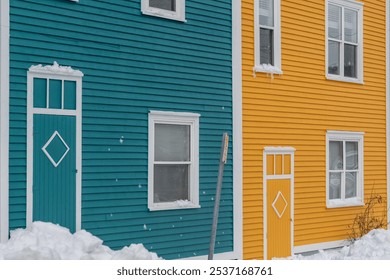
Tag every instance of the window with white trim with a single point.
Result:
(173, 160)
(344, 168)
(267, 36)
(344, 33)
(170, 9)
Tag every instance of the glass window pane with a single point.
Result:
(335, 155)
(171, 183)
(334, 185)
(350, 26)
(55, 94)
(172, 142)
(169, 5)
(70, 95)
(333, 58)
(350, 184)
(266, 11)
(334, 22)
(352, 155)
(350, 53)
(266, 46)
(40, 89)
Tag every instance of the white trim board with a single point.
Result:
(388, 107)
(319, 246)
(54, 71)
(4, 119)
(237, 131)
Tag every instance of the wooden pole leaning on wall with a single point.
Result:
(222, 162)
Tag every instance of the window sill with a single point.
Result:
(349, 202)
(267, 68)
(163, 14)
(344, 79)
(176, 205)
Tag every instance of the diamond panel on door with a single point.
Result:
(55, 149)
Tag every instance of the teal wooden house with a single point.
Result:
(111, 119)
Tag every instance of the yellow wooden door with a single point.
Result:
(278, 218)
(279, 180)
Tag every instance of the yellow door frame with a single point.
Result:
(283, 151)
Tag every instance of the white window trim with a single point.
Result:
(179, 14)
(357, 6)
(267, 68)
(191, 119)
(346, 136)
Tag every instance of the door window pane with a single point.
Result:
(335, 155)
(266, 11)
(171, 183)
(169, 5)
(172, 142)
(334, 58)
(334, 185)
(350, 52)
(266, 46)
(55, 94)
(334, 22)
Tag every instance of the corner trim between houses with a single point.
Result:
(4, 119)
(237, 129)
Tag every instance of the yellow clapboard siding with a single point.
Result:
(298, 107)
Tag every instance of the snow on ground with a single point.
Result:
(46, 241)
(373, 246)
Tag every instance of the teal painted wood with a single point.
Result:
(132, 64)
(54, 166)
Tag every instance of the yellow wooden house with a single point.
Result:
(314, 121)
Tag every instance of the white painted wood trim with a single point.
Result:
(358, 6)
(237, 132)
(181, 118)
(275, 151)
(388, 108)
(30, 113)
(319, 246)
(4, 119)
(276, 69)
(179, 14)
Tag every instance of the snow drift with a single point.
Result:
(373, 246)
(46, 241)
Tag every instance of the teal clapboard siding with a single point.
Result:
(132, 63)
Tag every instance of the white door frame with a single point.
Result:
(277, 151)
(59, 73)
(4, 119)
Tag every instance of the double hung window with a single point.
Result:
(344, 168)
(170, 9)
(344, 41)
(173, 160)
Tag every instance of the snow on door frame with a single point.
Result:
(63, 73)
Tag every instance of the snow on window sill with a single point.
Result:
(349, 202)
(175, 205)
(268, 68)
(344, 79)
